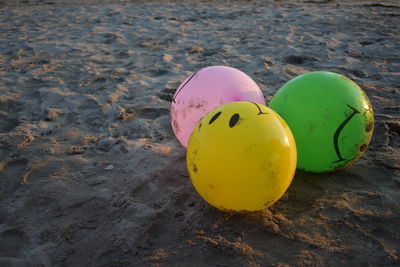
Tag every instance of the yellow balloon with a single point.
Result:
(241, 156)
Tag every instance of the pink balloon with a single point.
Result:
(206, 90)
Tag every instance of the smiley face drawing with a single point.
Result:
(330, 117)
(241, 156)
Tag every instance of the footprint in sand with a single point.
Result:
(166, 94)
(299, 60)
(7, 123)
(152, 113)
(12, 242)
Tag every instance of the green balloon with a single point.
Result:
(330, 117)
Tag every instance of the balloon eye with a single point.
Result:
(234, 120)
(215, 117)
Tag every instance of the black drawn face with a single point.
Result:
(339, 130)
(367, 118)
(241, 153)
(232, 121)
(234, 118)
(180, 88)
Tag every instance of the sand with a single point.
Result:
(92, 175)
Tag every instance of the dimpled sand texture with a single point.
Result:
(91, 173)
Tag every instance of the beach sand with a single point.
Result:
(92, 175)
